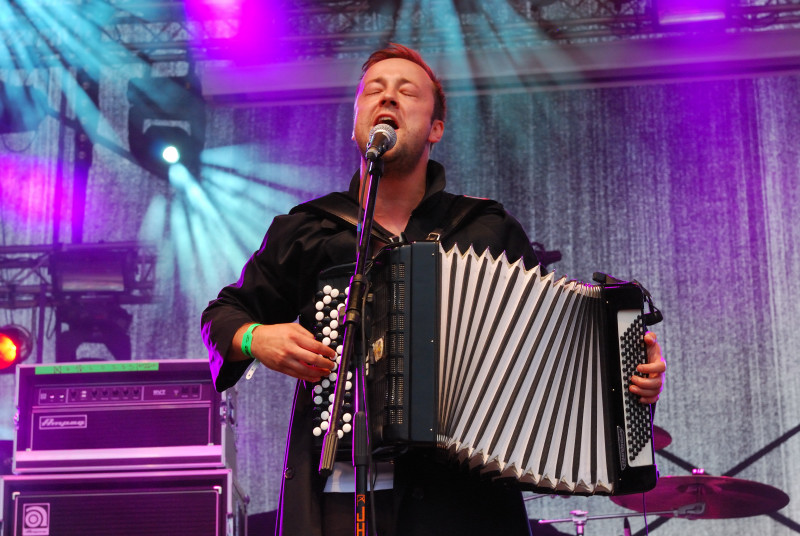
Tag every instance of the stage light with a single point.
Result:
(100, 322)
(22, 108)
(691, 12)
(163, 146)
(171, 154)
(90, 284)
(166, 123)
(15, 347)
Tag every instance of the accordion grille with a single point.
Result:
(395, 401)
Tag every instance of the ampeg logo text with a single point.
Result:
(36, 519)
(63, 422)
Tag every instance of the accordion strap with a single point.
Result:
(340, 207)
(343, 208)
(461, 210)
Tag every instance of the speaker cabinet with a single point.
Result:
(152, 503)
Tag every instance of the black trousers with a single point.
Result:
(433, 499)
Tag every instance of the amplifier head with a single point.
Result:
(121, 415)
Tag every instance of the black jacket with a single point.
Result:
(278, 284)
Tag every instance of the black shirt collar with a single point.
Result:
(434, 186)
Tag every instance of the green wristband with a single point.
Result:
(247, 340)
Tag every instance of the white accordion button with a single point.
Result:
(347, 417)
(317, 431)
(334, 334)
(340, 434)
(326, 289)
(320, 316)
(346, 428)
(335, 293)
(319, 306)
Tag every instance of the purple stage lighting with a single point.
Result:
(681, 12)
(254, 29)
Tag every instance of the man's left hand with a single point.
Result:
(648, 387)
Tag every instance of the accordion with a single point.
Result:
(514, 374)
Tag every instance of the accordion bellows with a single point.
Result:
(520, 354)
(516, 374)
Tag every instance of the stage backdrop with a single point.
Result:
(691, 188)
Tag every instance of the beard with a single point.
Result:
(403, 157)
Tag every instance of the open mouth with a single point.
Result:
(386, 120)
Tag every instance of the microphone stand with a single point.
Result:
(352, 323)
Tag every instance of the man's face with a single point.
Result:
(400, 93)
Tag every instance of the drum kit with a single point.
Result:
(695, 496)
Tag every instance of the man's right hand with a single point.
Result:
(287, 348)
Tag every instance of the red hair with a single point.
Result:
(404, 53)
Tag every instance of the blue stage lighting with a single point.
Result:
(166, 112)
(171, 154)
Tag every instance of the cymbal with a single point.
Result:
(661, 438)
(706, 497)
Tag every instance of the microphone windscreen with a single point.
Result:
(391, 135)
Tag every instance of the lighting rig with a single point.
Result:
(86, 285)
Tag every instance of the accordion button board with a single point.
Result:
(330, 307)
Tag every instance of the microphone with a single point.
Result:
(382, 137)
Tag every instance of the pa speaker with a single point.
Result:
(152, 503)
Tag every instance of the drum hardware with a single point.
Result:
(579, 518)
(661, 438)
(701, 496)
(695, 496)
